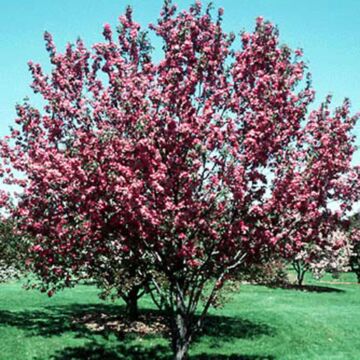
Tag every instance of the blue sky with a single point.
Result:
(327, 30)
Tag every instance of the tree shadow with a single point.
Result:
(234, 327)
(231, 357)
(220, 330)
(310, 288)
(57, 320)
(95, 351)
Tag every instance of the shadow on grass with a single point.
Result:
(231, 357)
(234, 327)
(95, 351)
(311, 288)
(57, 320)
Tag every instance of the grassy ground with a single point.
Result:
(257, 323)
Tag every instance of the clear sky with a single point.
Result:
(327, 30)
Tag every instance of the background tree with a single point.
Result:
(331, 255)
(355, 239)
(191, 165)
(316, 172)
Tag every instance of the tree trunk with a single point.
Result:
(181, 352)
(300, 272)
(132, 307)
(181, 336)
(300, 277)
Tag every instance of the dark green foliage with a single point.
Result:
(355, 258)
(272, 273)
(13, 251)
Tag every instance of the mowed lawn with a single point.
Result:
(256, 323)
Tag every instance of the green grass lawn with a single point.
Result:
(257, 323)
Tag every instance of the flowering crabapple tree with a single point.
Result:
(335, 256)
(331, 254)
(316, 172)
(189, 166)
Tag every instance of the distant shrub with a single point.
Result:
(272, 273)
(13, 251)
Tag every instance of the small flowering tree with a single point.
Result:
(188, 167)
(335, 255)
(316, 172)
(331, 255)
